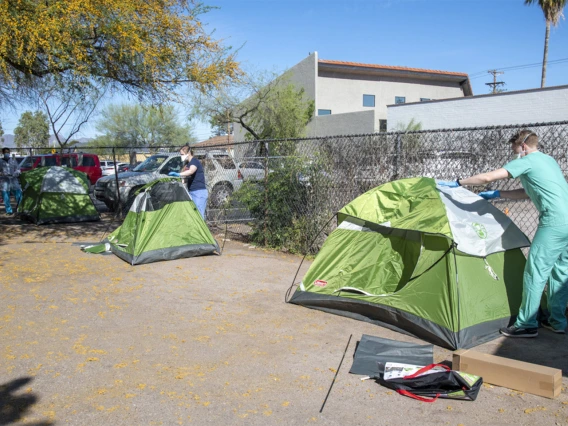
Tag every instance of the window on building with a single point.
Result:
(425, 99)
(382, 125)
(324, 111)
(399, 99)
(368, 100)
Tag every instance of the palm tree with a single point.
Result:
(552, 10)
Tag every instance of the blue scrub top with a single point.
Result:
(545, 185)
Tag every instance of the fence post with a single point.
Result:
(398, 149)
(265, 188)
(116, 182)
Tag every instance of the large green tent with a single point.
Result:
(439, 263)
(56, 195)
(163, 223)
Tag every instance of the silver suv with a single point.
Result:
(222, 178)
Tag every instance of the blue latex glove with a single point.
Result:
(448, 183)
(488, 195)
(173, 174)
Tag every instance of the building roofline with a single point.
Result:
(388, 70)
(392, 68)
(514, 92)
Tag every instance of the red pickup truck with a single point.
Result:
(86, 163)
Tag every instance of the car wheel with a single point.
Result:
(221, 194)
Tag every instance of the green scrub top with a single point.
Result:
(545, 185)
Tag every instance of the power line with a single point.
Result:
(518, 67)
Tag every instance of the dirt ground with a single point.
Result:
(90, 340)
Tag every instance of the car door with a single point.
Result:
(172, 165)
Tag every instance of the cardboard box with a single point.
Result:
(508, 373)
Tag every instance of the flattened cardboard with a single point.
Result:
(508, 373)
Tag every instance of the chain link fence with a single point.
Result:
(284, 193)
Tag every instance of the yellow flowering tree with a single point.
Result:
(149, 48)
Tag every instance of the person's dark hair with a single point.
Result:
(524, 136)
(186, 149)
(5, 150)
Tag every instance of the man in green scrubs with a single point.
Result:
(544, 183)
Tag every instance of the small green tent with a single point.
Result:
(162, 224)
(56, 195)
(439, 263)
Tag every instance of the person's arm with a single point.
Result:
(189, 171)
(515, 194)
(485, 178)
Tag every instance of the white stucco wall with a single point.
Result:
(342, 95)
(303, 74)
(522, 107)
(342, 124)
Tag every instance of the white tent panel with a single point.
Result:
(478, 227)
(57, 179)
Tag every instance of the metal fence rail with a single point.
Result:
(287, 191)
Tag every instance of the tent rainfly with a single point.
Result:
(56, 195)
(163, 223)
(438, 263)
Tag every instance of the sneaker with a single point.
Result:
(546, 324)
(519, 332)
(10, 214)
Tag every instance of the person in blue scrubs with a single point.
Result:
(9, 183)
(544, 183)
(192, 170)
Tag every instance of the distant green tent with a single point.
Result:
(439, 263)
(162, 224)
(56, 195)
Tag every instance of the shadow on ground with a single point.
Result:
(16, 230)
(547, 349)
(14, 407)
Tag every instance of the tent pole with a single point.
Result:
(336, 373)
(116, 182)
(457, 289)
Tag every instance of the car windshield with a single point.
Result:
(151, 164)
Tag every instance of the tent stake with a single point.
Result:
(336, 373)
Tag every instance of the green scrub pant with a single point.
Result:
(548, 261)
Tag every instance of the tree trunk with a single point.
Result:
(545, 59)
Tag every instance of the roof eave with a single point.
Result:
(459, 78)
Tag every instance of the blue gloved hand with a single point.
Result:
(488, 195)
(173, 174)
(448, 183)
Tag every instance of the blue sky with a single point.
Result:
(469, 36)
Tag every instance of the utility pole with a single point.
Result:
(228, 128)
(495, 83)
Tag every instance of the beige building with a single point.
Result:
(352, 98)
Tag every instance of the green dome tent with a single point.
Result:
(439, 263)
(162, 224)
(56, 195)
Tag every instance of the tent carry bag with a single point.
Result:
(434, 381)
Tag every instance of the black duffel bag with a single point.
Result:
(427, 386)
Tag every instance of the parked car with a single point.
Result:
(84, 162)
(109, 169)
(124, 167)
(33, 161)
(221, 175)
(251, 170)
